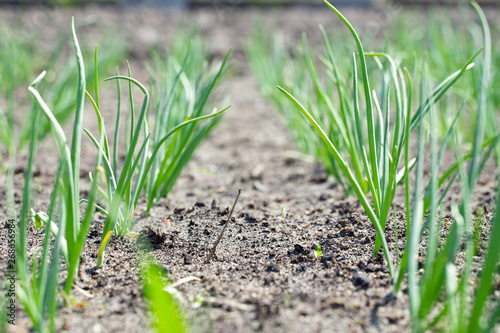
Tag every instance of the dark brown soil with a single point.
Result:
(264, 276)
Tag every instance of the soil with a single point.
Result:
(264, 276)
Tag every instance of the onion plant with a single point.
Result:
(36, 292)
(271, 62)
(123, 194)
(372, 158)
(120, 185)
(75, 232)
(17, 56)
(463, 309)
(124, 186)
(182, 85)
(38, 288)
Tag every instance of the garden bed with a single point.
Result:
(265, 276)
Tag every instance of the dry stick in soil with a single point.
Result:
(223, 229)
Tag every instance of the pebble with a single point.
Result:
(298, 249)
(273, 268)
(361, 280)
(326, 261)
(259, 186)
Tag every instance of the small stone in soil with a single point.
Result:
(300, 269)
(251, 219)
(361, 281)
(259, 186)
(298, 249)
(102, 281)
(324, 197)
(179, 210)
(155, 236)
(199, 204)
(272, 267)
(318, 179)
(326, 261)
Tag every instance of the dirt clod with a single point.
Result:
(361, 280)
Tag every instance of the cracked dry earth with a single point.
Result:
(264, 276)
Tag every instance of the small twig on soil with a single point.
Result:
(223, 229)
(183, 280)
(87, 294)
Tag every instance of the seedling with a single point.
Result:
(283, 213)
(122, 193)
(318, 251)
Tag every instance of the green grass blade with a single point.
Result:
(44, 275)
(21, 254)
(337, 122)
(51, 288)
(482, 102)
(143, 156)
(100, 123)
(492, 256)
(107, 165)
(117, 124)
(73, 228)
(446, 255)
(416, 226)
(25, 293)
(89, 212)
(102, 248)
(66, 160)
(111, 218)
(115, 215)
(359, 129)
(433, 236)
